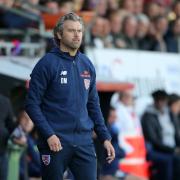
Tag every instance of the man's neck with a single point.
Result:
(72, 52)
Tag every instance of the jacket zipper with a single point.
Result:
(76, 93)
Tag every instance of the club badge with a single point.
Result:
(46, 159)
(87, 83)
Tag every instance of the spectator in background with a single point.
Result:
(113, 5)
(127, 5)
(53, 6)
(31, 7)
(152, 10)
(142, 31)
(176, 8)
(166, 2)
(115, 20)
(33, 156)
(162, 137)
(160, 30)
(6, 127)
(138, 6)
(130, 137)
(90, 5)
(129, 32)
(109, 170)
(100, 33)
(66, 6)
(13, 20)
(173, 37)
(25, 136)
(101, 8)
(146, 33)
(8, 3)
(20, 137)
(174, 106)
(174, 103)
(163, 8)
(78, 5)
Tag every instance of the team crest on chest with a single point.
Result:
(87, 83)
(85, 74)
(46, 159)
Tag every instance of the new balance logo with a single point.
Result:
(63, 73)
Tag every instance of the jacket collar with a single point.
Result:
(66, 55)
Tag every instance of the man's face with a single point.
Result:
(127, 98)
(116, 23)
(142, 29)
(175, 107)
(176, 28)
(162, 25)
(130, 27)
(161, 104)
(112, 116)
(71, 36)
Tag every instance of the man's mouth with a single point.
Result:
(76, 40)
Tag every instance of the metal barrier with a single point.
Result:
(31, 49)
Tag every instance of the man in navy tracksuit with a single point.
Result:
(63, 103)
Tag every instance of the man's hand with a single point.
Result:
(22, 141)
(54, 143)
(110, 151)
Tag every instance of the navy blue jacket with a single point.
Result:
(63, 100)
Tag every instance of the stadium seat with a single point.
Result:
(51, 19)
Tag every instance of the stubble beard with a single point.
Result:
(71, 45)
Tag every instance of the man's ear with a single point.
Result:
(58, 35)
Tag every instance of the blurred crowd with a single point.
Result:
(126, 24)
(137, 24)
(147, 146)
(19, 156)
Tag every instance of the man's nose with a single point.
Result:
(76, 33)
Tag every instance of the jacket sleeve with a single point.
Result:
(95, 113)
(151, 135)
(40, 78)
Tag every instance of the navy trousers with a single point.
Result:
(81, 160)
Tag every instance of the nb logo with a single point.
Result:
(63, 73)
